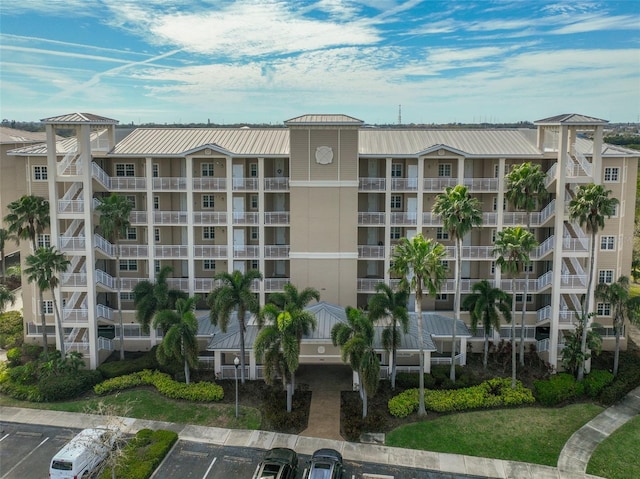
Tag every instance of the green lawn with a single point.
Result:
(634, 289)
(535, 435)
(617, 456)
(147, 404)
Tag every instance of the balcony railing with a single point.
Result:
(138, 217)
(134, 251)
(404, 219)
(375, 218)
(276, 184)
(209, 184)
(244, 184)
(210, 251)
(71, 243)
(170, 217)
(406, 184)
(438, 184)
(105, 279)
(272, 285)
(165, 184)
(276, 251)
(429, 219)
(246, 251)
(276, 218)
(371, 184)
(481, 184)
(73, 279)
(242, 217)
(128, 183)
(209, 218)
(70, 206)
(103, 245)
(171, 251)
(371, 252)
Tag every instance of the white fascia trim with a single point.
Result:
(336, 255)
(323, 184)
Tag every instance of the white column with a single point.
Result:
(191, 266)
(52, 178)
(217, 363)
(463, 350)
(596, 160)
(461, 170)
(500, 213)
(229, 167)
(420, 193)
(252, 364)
(261, 242)
(148, 175)
(387, 220)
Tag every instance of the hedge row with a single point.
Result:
(563, 387)
(113, 369)
(202, 391)
(143, 454)
(492, 393)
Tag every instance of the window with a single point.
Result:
(255, 264)
(396, 170)
(496, 170)
(155, 170)
(528, 268)
(396, 232)
(254, 202)
(40, 173)
(615, 211)
(132, 234)
(125, 169)
(156, 235)
(442, 234)
(519, 298)
(208, 265)
(445, 264)
(131, 199)
(493, 267)
(156, 202)
(207, 169)
(604, 309)
(254, 232)
(47, 306)
(444, 170)
(208, 232)
(156, 265)
(605, 276)
(396, 202)
(127, 296)
(442, 297)
(253, 170)
(44, 241)
(128, 265)
(495, 203)
(607, 243)
(493, 236)
(208, 201)
(612, 174)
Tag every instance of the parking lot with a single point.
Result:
(26, 450)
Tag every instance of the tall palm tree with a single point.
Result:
(114, 220)
(623, 307)
(355, 338)
(179, 342)
(5, 235)
(391, 305)
(278, 346)
(459, 212)
(6, 297)
(295, 301)
(419, 262)
(28, 217)
(486, 304)
(151, 297)
(526, 190)
(513, 246)
(42, 269)
(589, 207)
(234, 294)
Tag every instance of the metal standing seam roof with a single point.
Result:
(63, 146)
(571, 119)
(320, 119)
(11, 135)
(74, 118)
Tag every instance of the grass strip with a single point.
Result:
(617, 456)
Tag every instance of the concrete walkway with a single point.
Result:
(577, 451)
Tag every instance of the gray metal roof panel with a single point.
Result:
(79, 118)
(11, 135)
(571, 119)
(323, 119)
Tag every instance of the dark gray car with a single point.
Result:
(325, 464)
(278, 463)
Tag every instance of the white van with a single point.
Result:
(80, 456)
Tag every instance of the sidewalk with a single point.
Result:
(439, 462)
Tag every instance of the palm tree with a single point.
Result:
(459, 213)
(513, 247)
(355, 338)
(234, 294)
(28, 217)
(589, 207)
(278, 346)
(390, 304)
(41, 269)
(622, 308)
(6, 297)
(295, 301)
(486, 304)
(114, 220)
(179, 342)
(419, 262)
(150, 298)
(5, 235)
(526, 190)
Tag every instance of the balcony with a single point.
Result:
(430, 219)
(169, 184)
(209, 218)
(73, 280)
(276, 184)
(481, 185)
(210, 251)
(68, 244)
(134, 251)
(138, 217)
(209, 184)
(70, 206)
(245, 184)
(374, 218)
(244, 218)
(437, 185)
(371, 252)
(170, 217)
(404, 184)
(273, 285)
(404, 219)
(371, 184)
(276, 251)
(246, 251)
(368, 285)
(127, 183)
(171, 251)
(276, 218)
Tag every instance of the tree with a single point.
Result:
(179, 343)
(459, 213)
(28, 217)
(234, 294)
(513, 247)
(355, 338)
(5, 235)
(390, 304)
(573, 355)
(486, 304)
(6, 298)
(278, 346)
(622, 308)
(526, 189)
(42, 268)
(295, 301)
(114, 220)
(419, 262)
(589, 207)
(150, 298)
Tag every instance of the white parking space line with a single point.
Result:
(4, 437)
(24, 458)
(209, 470)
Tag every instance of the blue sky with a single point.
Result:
(268, 61)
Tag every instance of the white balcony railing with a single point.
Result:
(438, 184)
(171, 183)
(71, 243)
(272, 285)
(73, 279)
(210, 251)
(209, 218)
(138, 217)
(80, 315)
(134, 251)
(170, 217)
(276, 251)
(481, 184)
(430, 219)
(171, 251)
(371, 252)
(371, 184)
(276, 218)
(276, 184)
(243, 217)
(209, 184)
(406, 184)
(70, 206)
(246, 251)
(404, 219)
(105, 279)
(128, 183)
(103, 245)
(244, 184)
(375, 218)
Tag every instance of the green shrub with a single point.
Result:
(114, 369)
(11, 329)
(22, 392)
(558, 389)
(411, 380)
(404, 403)
(14, 356)
(596, 381)
(68, 386)
(628, 378)
(26, 374)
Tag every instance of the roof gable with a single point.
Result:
(571, 119)
(335, 120)
(76, 118)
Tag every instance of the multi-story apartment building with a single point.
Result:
(320, 203)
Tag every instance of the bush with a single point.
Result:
(14, 356)
(558, 389)
(11, 329)
(26, 374)
(114, 369)
(628, 378)
(404, 403)
(56, 388)
(595, 382)
(202, 391)
(411, 380)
